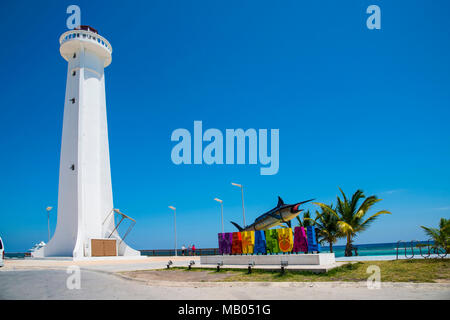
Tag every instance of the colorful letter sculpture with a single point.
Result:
(236, 247)
(272, 241)
(285, 239)
(269, 241)
(225, 241)
(300, 242)
(313, 245)
(260, 242)
(248, 242)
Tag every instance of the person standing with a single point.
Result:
(183, 249)
(193, 249)
(189, 250)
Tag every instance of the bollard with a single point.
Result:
(283, 265)
(250, 265)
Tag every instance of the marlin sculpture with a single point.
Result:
(282, 213)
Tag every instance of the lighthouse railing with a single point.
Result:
(85, 36)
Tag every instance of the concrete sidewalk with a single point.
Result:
(110, 265)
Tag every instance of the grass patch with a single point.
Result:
(423, 270)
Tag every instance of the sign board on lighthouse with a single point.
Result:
(85, 201)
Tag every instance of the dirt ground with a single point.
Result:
(177, 275)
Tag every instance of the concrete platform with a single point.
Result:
(310, 268)
(314, 259)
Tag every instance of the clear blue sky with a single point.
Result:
(356, 108)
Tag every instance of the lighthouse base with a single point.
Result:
(108, 248)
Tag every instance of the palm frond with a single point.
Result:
(326, 207)
(371, 219)
(345, 227)
(366, 205)
(431, 232)
(359, 194)
(300, 223)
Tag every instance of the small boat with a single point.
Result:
(37, 246)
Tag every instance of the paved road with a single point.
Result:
(51, 284)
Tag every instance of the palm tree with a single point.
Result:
(307, 221)
(327, 227)
(441, 236)
(351, 216)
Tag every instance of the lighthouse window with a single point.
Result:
(73, 100)
(72, 167)
(74, 55)
(74, 72)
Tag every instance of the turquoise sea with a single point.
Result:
(381, 249)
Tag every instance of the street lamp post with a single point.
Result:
(175, 216)
(242, 193)
(48, 220)
(221, 209)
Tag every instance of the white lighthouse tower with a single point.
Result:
(85, 225)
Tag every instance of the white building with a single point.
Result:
(85, 202)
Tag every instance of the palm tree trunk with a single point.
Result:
(331, 247)
(348, 247)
